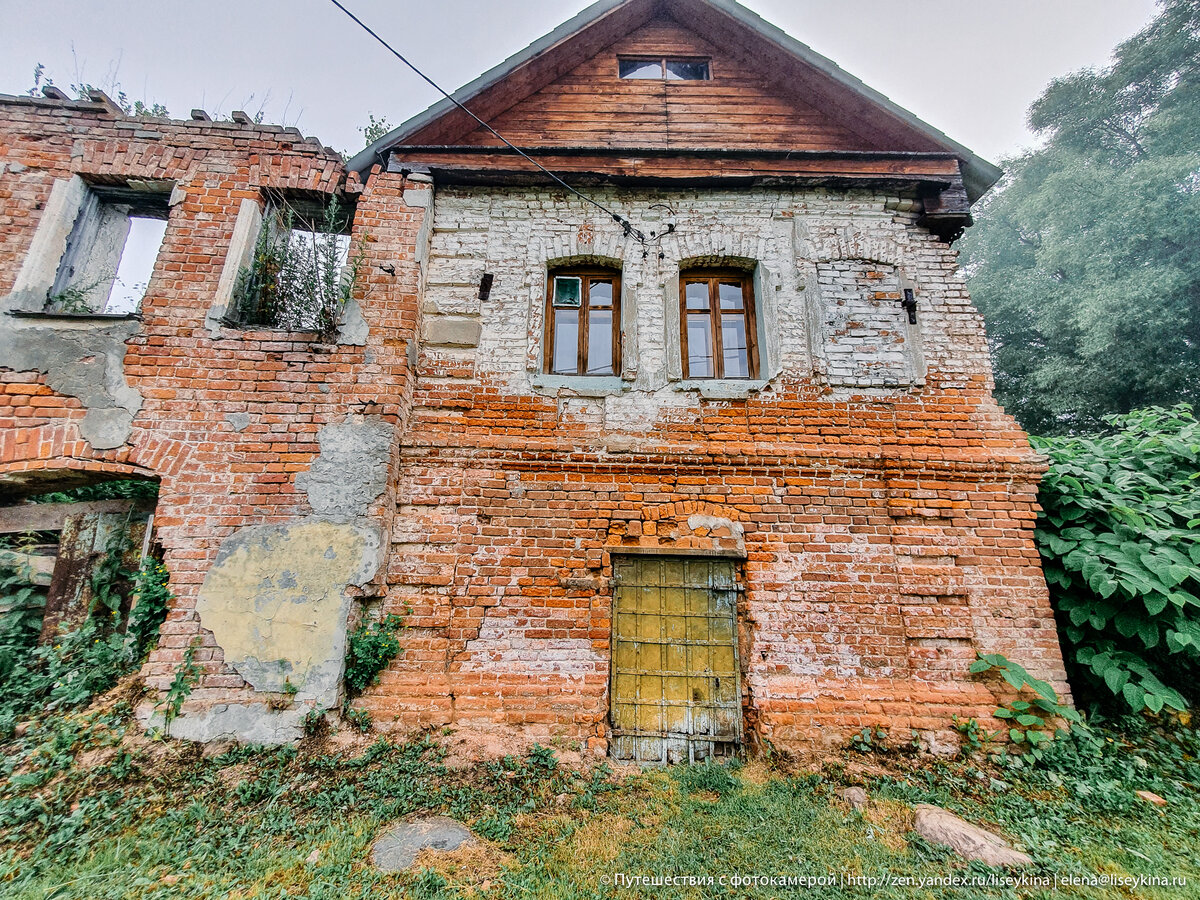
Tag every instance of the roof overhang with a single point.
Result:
(594, 27)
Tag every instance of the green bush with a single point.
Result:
(1118, 536)
(84, 661)
(372, 646)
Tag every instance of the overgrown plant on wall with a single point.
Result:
(303, 271)
(78, 663)
(372, 645)
(1119, 535)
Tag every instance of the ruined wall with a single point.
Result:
(276, 454)
(881, 502)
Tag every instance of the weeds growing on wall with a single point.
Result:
(78, 663)
(303, 271)
(1120, 539)
(372, 645)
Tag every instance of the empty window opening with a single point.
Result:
(583, 316)
(111, 251)
(302, 272)
(663, 69)
(717, 324)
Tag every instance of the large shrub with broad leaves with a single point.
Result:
(1121, 550)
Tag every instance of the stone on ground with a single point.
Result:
(855, 796)
(397, 848)
(969, 841)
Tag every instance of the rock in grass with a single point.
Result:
(1151, 797)
(855, 796)
(969, 841)
(397, 848)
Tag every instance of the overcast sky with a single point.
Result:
(970, 68)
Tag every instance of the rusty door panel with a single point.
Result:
(676, 685)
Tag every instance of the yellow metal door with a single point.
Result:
(676, 685)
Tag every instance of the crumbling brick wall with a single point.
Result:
(884, 513)
(227, 417)
(881, 504)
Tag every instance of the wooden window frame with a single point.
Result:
(586, 276)
(714, 277)
(662, 62)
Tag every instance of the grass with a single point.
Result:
(93, 809)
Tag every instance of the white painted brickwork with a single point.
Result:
(865, 339)
(821, 256)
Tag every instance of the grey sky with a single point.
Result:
(970, 68)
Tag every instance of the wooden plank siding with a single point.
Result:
(737, 108)
(470, 165)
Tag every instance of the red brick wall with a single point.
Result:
(886, 539)
(213, 479)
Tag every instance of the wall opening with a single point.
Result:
(675, 693)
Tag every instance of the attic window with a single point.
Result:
(663, 69)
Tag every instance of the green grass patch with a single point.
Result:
(92, 809)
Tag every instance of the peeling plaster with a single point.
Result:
(275, 600)
(82, 360)
(238, 421)
(351, 471)
(252, 723)
(354, 330)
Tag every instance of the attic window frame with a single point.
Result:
(662, 62)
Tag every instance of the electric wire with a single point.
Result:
(625, 224)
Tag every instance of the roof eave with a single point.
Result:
(978, 174)
(369, 155)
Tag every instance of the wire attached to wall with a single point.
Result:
(625, 224)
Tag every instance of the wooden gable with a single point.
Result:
(772, 109)
(736, 108)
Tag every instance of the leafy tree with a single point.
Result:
(375, 128)
(1085, 260)
(1120, 539)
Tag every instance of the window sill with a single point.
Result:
(580, 385)
(75, 317)
(723, 388)
(231, 330)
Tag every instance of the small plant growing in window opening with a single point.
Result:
(303, 272)
(75, 299)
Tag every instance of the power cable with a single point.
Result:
(625, 224)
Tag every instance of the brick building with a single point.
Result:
(704, 456)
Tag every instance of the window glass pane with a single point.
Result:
(731, 295)
(734, 349)
(687, 70)
(699, 346)
(136, 265)
(600, 342)
(697, 294)
(566, 342)
(600, 293)
(641, 68)
(567, 290)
